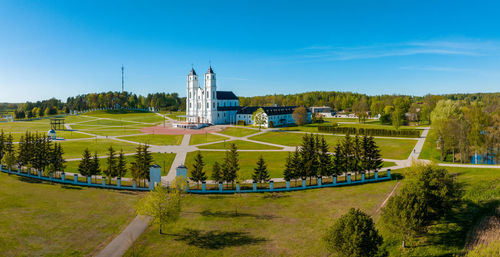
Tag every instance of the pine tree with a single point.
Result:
(110, 172)
(347, 154)
(121, 166)
(324, 158)
(216, 173)
(376, 161)
(357, 156)
(136, 165)
(261, 174)
(198, 175)
(147, 162)
(56, 159)
(297, 166)
(95, 168)
(338, 160)
(231, 165)
(309, 156)
(84, 167)
(2, 144)
(288, 173)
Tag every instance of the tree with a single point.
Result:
(95, 166)
(121, 166)
(198, 175)
(324, 158)
(309, 156)
(57, 160)
(259, 117)
(353, 234)
(84, 167)
(162, 205)
(9, 159)
(2, 144)
(231, 165)
(300, 115)
(216, 173)
(110, 172)
(289, 172)
(260, 173)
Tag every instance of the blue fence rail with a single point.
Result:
(288, 187)
(73, 180)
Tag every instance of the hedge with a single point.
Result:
(371, 131)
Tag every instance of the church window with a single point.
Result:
(207, 106)
(214, 105)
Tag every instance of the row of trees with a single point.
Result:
(226, 172)
(370, 131)
(35, 151)
(461, 129)
(353, 154)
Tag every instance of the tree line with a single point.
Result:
(335, 129)
(35, 151)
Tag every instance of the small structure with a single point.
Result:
(51, 134)
(324, 111)
(57, 124)
(181, 170)
(154, 176)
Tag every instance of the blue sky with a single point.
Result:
(64, 48)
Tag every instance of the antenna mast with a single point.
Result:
(122, 78)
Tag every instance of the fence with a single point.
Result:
(371, 131)
(270, 186)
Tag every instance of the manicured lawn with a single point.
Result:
(205, 138)
(163, 159)
(240, 144)
(156, 139)
(18, 129)
(74, 149)
(282, 224)
(238, 132)
(389, 148)
(105, 122)
(430, 151)
(112, 131)
(147, 117)
(40, 219)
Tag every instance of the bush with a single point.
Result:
(241, 122)
(370, 131)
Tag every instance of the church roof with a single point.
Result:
(192, 72)
(226, 95)
(210, 71)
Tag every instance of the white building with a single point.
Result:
(207, 105)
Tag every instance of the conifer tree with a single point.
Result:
(121, 165)
(324, 158)
(147, 162)
(261, 174)
(216, 173)
(136, 165)
(95, 168)
(198, 175)
(347, 154)
(231, 165)
(376, 161)
(2, 143)
(297, 166)
(338, 160)
(84, 166)
(357, 156)
(110, 172)
(57, 161)
(288, 173)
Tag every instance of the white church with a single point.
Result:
(208, 106)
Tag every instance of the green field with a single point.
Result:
(281, 224)
(147, 117)
(163, 159)
(112, 131)
(389, 148)
(74, 149)
(241, 145)
(156, 139)
(105, 122)
(238, 132)
(40, 219)
(205, 138)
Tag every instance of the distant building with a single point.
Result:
(324, 111)
(207, 105)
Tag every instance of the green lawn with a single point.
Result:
(281, 224)
(40, 219)
(105, 122)
(112, 131)
(156, 139)
(205, 138)
(241, 145)
(162, 159)
(238, 132)
(74, 149)
(147, 117)
(389, 148)
(18, 129)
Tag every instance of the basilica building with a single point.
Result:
(209, 106)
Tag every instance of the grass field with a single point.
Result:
(147, 117)
(163, 159)
(112, 131)
(156, 139)
(39, 219)
(238, 132)
(205, 138)
(241, 145)
(284, 224)
(74, 149)
(389, 148)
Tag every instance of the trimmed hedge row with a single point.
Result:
(371, 131)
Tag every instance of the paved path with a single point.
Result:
(126, 238)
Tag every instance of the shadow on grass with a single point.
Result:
(275, 196)
(29, 180)
(71, 187)
(232, 214)
(216, 239)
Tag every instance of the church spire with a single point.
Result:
(210, 71)
(192, 72)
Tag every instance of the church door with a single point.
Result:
(198, 119)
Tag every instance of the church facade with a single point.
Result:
(207, 105)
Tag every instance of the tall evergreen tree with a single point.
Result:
(95, 168)
(231, 165)
(324, 158)
(2, 144)
(57, 161)
(297, 165)
(84, 167)
(110, 171)
(261, 174)
(198, 175)
(309, 156)
(338, 160)
(357, 156)
(136, 165)
(288, 173)
(147, 162)
(376, 161)
(217, 175)
(121, 165)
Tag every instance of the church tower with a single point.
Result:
(210, 96)
(192, 98)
